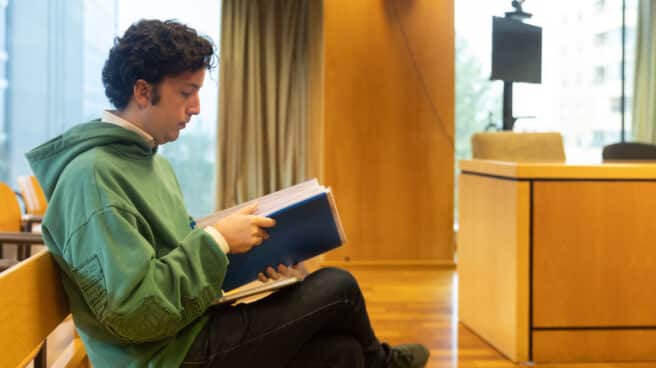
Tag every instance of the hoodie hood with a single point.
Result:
(50, 159)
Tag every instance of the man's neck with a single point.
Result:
(131, 116)
(124, 121)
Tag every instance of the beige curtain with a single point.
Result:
(262, 98)
(644, 93)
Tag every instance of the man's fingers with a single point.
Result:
(262, 234)
(272, 273)
(283, 270)
(262, 221)
(261, 277)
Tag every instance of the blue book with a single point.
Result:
(307, 225)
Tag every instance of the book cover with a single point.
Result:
(307, 224)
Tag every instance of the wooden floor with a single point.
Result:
(419, 304)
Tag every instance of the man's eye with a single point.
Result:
(185, 94)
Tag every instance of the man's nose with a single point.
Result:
(194, 108)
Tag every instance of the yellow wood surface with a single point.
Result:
(559, 171)
(316, 148)
(10, 215)
(594, 252)
(593, 255)
(73, 356)
(594, 346)
(417, 263)
(389, 115)
(32, 304)
(493, 258)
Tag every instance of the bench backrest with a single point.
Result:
(32, 304)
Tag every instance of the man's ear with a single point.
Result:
(142, 92)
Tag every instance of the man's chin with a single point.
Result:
(172, 137)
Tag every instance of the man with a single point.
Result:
(139, 277)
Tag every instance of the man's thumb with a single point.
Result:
(248, 210)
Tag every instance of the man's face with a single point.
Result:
(178, 101)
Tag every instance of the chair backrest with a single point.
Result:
(10, 212)
(35, 199)
(32, 304)
(631, 151)
(518, 147)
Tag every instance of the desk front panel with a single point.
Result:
(569, 346)
(594, 254)
(493, 251)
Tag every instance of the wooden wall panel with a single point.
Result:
(389, 115)
(315, 90)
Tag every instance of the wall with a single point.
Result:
(388, 118)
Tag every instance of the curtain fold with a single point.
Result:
(262, 125)
(644, 93)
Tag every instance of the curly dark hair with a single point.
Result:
(151, 50)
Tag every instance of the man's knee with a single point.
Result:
(338, 281)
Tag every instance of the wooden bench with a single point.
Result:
(32, 304)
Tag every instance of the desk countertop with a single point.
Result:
(542, 170)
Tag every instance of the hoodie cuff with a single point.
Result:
(218, 238)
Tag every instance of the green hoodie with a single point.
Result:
(137, 276)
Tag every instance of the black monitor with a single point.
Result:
(516, 51)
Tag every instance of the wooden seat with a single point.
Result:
(12, 221)
(10, 212)
(35, 200)
(32, 305)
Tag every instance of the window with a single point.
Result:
(600, 74)
(54, 53)
(615, 104)
(601, 5)
(601, 39)
(581, 73)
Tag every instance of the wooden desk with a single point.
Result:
(557, 262)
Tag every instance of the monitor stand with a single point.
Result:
(508, 119)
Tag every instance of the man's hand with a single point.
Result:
(243, 230)
(299, 271)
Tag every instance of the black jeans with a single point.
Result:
(321, 322)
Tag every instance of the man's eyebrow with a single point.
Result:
(197, 86)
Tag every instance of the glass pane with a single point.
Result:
(55, 51)
(4, 159)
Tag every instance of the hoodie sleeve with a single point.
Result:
(137, 296)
